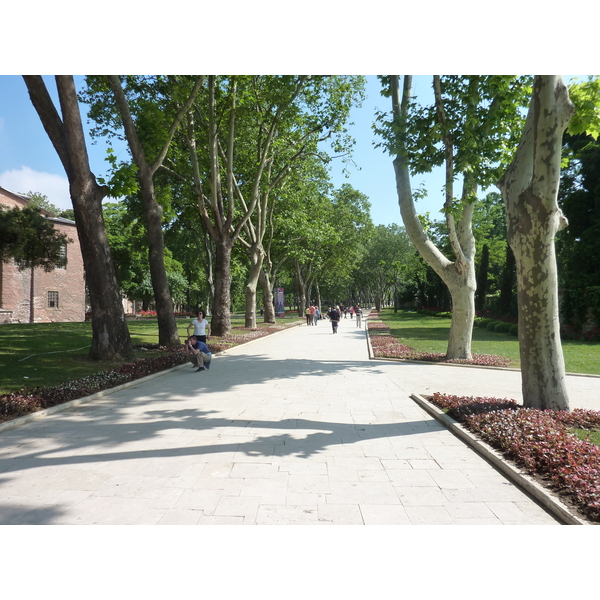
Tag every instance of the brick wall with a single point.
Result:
(67, 284)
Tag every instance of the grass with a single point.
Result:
(47, 354)
(592, 436)
(430, 334)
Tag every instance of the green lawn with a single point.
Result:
(52, 353)
(430, 334)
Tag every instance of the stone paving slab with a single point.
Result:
(295, 428)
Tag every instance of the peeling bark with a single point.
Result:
(530, 190)
(458, 275)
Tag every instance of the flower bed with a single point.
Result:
(22, 402)
(19, 403)
(385, 345)
(538, 441)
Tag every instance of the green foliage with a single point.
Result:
(503, 327)
(578, 245)
(483, 118)
(586, 98)
(126, 237)
(42, 201)
(30, 239)
(483, 323)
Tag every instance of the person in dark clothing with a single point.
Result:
(334, 317)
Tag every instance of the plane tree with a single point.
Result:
(110, 335)
(149, 111)
(470, 129)
(530, 191)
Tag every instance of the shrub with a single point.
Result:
(492, 325)
(514, 330)
(483, 323)
(502, 327)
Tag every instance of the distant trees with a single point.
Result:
(235, 142)
(578, 245)
(387, 263)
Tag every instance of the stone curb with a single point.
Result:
(71, 403)
(519, 478)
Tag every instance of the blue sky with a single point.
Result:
(28, 162)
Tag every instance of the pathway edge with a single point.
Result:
(559, 510)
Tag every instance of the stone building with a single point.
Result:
(58, 295)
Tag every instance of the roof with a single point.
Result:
(25, 200)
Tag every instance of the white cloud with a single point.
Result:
(25, 179)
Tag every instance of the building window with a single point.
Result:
(61, 263)
(52, 299)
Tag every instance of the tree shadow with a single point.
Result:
(100, 438)
(19, 515)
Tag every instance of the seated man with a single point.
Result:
(198, 353)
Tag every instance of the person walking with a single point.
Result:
(201, 327)
(335, 317)
(308, 316)
(358, 313)
(317, 315)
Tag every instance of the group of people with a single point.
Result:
(334, 314)
(196, 350)
(313, 314)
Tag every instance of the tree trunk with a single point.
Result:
(265, 284)
(530, 189)
(463, 315)
(319, 298)
(31, 296)
(456, 275)
(167, 326)
(110, 336)
(221, 315)
(301, 289)
(256, 261)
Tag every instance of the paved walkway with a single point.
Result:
(295, 428)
